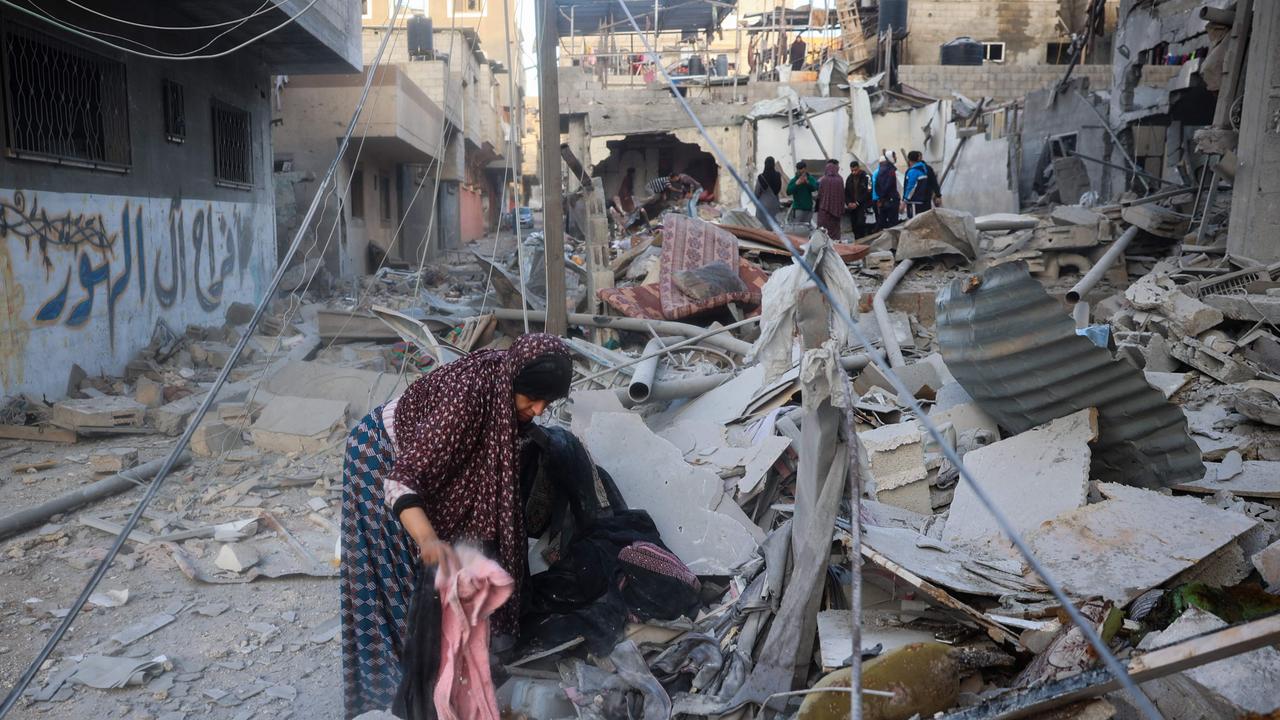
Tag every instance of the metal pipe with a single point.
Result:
(663, 351)
(1081, 314)
(879, 303)
(687, 387)
(663, 327)
(21, 520)
(1091, 278)
(642, 376)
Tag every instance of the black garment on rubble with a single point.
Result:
(597, 586)
(420, 661)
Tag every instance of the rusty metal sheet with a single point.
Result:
(1015, 350)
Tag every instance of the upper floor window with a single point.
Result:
(175, 111)
(63, 103)
(474, 8)
(993, 51)
(232, 145)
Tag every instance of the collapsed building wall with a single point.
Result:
(1255, 211)
(1068, 124)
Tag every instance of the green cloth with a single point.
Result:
(802, 193)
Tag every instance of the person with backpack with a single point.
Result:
(922, 189)
(885, 193)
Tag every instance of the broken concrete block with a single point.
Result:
(895, 454)
(695, 517)
(1216, 365)
(1267, 562)
(239, 313)
(296, 424)
(100, 412)
(1159, 221)
(236, 557)
(238, 412)
(880, 261)
(1072, 237)
(171, 418)
(213, 437)
(148, 392)
(113, 460)
(1132, 541)
(1238, 686)
(1033, 477)
(1187, 315)
(1075, 215)
(1168, 383)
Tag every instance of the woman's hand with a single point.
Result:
(440, 554)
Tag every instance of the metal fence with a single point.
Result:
(63, 103)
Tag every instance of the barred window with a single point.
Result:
(62, 102)
(232, 145)
(175, 112)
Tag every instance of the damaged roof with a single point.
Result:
(588, 17)
(1011, 346)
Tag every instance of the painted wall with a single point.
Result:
(1025, 26)
(86, 277)
(471, 205)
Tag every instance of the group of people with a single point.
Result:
(827, 200)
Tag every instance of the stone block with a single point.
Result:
(148, 392)
(109, 411)
(113, 460)
(171, 418)
(213, 437)
(895, 454)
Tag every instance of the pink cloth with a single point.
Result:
(468, 597)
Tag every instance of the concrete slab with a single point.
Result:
(1256, 479)
(214, 437)
(1132, 541)
(294, 424)
(171, 418)
(725, 403)
(1168, 383)
(361, 390)
(696, 519)
(709, 446)
(939, 563)
(1267, 562)
(1075, 215)
(99, 412)
(1032, 477)
(1233, 687)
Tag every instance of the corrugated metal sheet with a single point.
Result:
(1014, 349)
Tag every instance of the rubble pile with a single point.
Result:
(1131, 439)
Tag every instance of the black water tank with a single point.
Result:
(962, 51)
(696, 66)
(893, 12)
(421, 43)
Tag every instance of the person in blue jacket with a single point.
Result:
(884, 191)
(922, 191)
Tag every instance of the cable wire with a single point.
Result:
(157, 482)
(152, 48)
(266, 8)
(63, 26)
(1091, 635)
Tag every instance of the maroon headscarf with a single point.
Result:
(456, 431)
(831, 191)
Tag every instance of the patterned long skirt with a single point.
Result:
(378, 573)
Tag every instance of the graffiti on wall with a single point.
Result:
(91, 259)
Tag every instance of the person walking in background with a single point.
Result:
(857, 197)
(922, 191)
(831, 204)
(885, 193)
(768, 189)
(798, 50)
(801, 189)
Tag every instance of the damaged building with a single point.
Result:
(989, 434)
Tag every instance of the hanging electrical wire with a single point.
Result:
(156, 56)
(157, 482)
(152, 48)
(267, 7)
(1090, 633)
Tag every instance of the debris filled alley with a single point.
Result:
(936, 372)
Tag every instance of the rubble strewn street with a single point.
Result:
(964, 463)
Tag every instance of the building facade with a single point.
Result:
(137, 191)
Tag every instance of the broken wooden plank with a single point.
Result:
(941, 597)
(35, 466)
(37, 433)
(1162, 662)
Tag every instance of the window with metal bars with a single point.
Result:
(232, 145)
(175, 112)
(63, 103)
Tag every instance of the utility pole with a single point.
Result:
(552, 192)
